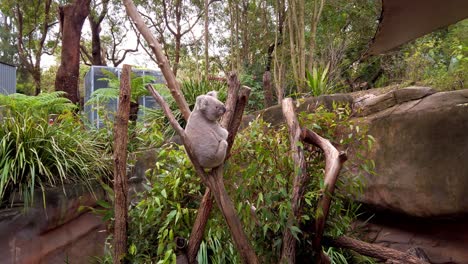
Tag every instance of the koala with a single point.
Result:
(206, 135)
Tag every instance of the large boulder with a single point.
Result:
(421, 150)
(421, 153)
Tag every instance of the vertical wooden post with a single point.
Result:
(120, 167)
(288, 254)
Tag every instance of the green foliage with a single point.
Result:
(317, 81)
(256, 98)
(40, 106)
(35, 154)
(190, 89)
(104, 95)
(438, 60)
(258, 177)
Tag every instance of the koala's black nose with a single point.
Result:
(223, 109)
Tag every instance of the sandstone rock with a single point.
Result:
(370, 103)
(421, 153)
(421, 156)
(441, 240)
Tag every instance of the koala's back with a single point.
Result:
(207, 138)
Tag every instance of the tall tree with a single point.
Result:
(8, 49)
(179, 17)
(314, 21)
(32, 21)
(207, 61)
(71, 17)
(98, 11)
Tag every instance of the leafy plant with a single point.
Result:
(38, 106)
(37, 154)
(258, 177)
(256, 98)
(191, 89)
(105, 95)
(317, 81)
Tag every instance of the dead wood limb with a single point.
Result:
(288, 254)
(120, 166)
(334, 160)
(163, 62)
(214, 181)
(198, 228)
(231, 101)
(222, 199)
(373, 250)
(207, 202)
(233, 128)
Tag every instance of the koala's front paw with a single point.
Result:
(223, 145)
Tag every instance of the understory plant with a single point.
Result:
(317, 81)
(43, 144)
(258, 177)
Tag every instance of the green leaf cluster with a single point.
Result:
(259, 177)
(43, 144)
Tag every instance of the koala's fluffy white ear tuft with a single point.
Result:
(200, 103)
(213, 94)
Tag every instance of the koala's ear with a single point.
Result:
(213, 94)
(200, 102)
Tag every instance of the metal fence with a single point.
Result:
(7, 78)
(96, 79)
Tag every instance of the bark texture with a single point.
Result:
(71, 17)
(214, 181)
(268, 89)
(163, 63)
(288, 254)
(120, 167)
(375, 251)
(334, 160)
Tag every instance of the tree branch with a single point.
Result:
(207, 202)
(334, 160)
(162, 60)
(288, 254)
(375, 251)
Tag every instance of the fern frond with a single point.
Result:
(103, 95)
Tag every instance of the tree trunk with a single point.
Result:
(318, 7)
(214, 180)
(175, 68)
(288, 254)
(71, 17)
(207, 61)
(36, 74)
(199, 226)
(268, 89)
(163, 63)
(120, 167)
(297, 42)
(96, 51)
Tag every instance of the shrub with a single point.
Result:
(37, 154)
(258, 177)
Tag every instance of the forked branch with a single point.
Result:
(333, 163)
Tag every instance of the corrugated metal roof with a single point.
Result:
(1, 62)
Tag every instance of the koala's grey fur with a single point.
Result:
(206, 135)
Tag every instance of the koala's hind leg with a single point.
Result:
(221, 152)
